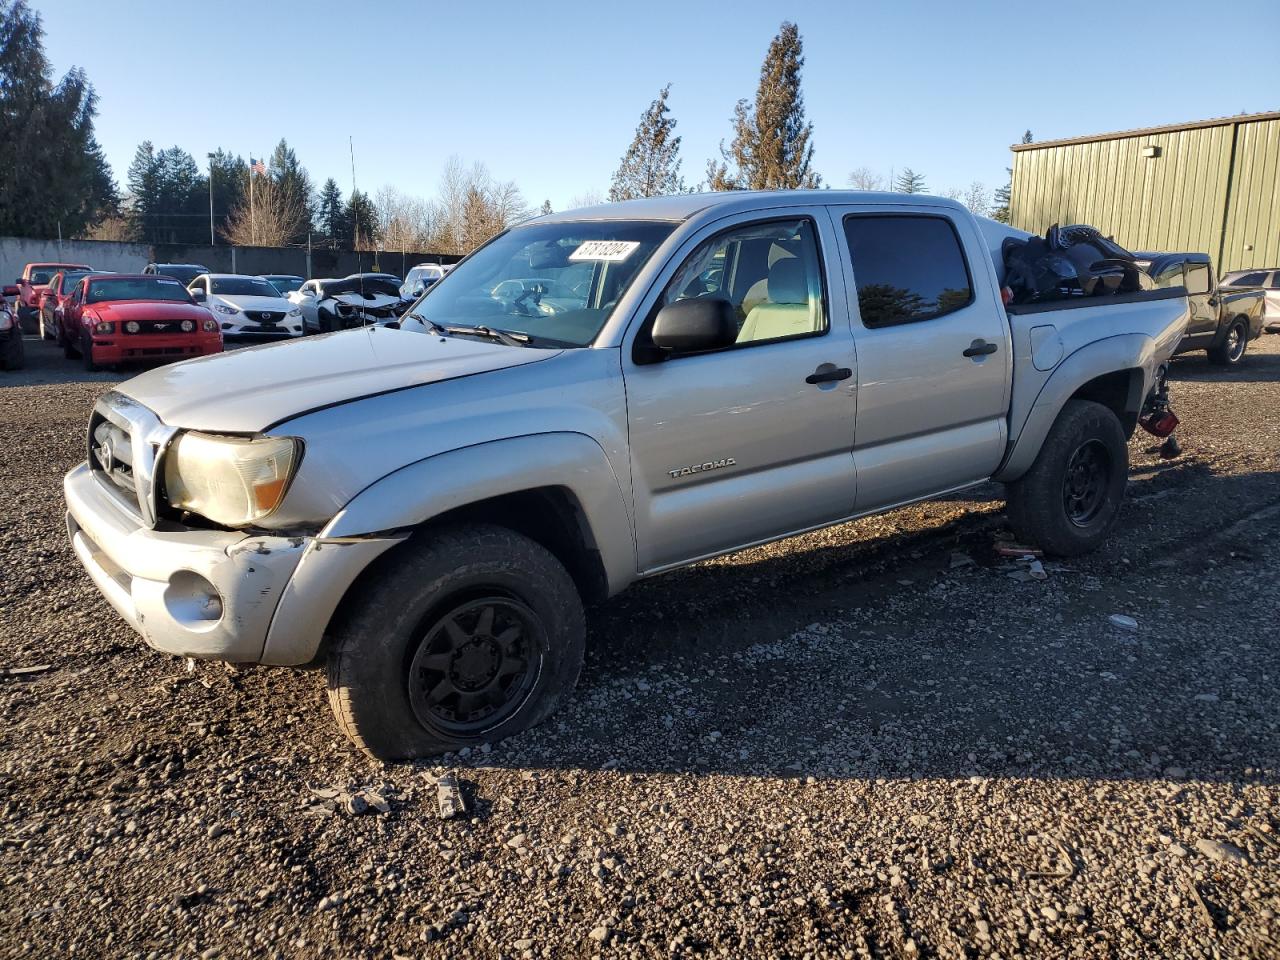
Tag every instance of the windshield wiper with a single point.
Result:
(431, 325)
(512, 338)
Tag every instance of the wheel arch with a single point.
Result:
(1129, 362)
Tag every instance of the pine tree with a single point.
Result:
(362, 220)
(910, 182)
(332, 215)
(1000, 211)
(294, 182)
(545, 209)
(772, 145)
(52, 171)
(651, 165)
(230, 183)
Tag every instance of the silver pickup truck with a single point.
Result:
(591, 398)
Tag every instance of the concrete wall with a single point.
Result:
(16, 252)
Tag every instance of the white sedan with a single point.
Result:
(246, 306)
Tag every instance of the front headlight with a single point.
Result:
(233, 481)
(226, 308)
(295, 312)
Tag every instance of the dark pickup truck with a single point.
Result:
(1221, 324)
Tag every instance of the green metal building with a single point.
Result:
(1211, 187)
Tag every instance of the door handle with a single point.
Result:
(827, 373)
(980, 348)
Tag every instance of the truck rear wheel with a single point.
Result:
(1231, 350)
(1070, 499)
(469, 636)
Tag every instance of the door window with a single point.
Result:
(1197, 278)
(770, 272)
(907, 268)
(1256, 279)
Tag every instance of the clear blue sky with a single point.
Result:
(548, 94)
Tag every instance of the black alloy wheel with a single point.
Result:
(476, 665)
(1084, 488)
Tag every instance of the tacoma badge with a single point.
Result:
(702, 467)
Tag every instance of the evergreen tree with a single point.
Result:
(169, 201)
(230, 183)
(545, 209)
(1001, 197)
(52, 170)
(651, 165)
(910, 182)
(331, 215)
(362, 220)
(772, 145)
(292, 178)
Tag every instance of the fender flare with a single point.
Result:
(574, 462)
(1131, 352)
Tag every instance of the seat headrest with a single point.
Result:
(787, 282)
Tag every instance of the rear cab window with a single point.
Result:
(907, 268)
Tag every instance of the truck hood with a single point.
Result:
(248, 390)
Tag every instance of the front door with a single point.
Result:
(1203, 324)
(753, 441)
(934, 358)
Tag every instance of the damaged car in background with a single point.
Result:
(360, 300)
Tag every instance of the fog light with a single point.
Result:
(132, 327)
(102, 327)
(211, 325)
(192, 600)
(188, 326)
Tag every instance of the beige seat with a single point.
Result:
(787, 312)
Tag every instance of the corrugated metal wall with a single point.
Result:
(1191, 197)
(1253, 209)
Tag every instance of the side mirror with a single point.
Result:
(688, 326)
(10, 291)
(199, 296)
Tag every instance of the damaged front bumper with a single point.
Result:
(213, 594)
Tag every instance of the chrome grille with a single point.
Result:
(125, 442)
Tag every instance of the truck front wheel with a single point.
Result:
(468, 636)
(1070, 499)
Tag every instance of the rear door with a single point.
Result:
(933, 343)
(1271, 307)
(751, 442)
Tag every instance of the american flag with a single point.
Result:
(258, 167)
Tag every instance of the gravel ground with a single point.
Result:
(868, 741)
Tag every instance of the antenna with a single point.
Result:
(355, 220)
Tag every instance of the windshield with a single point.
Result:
(243, 287)
(69, 280)
(286, 284)
(137, 288)
(555, 281)
(179, 272)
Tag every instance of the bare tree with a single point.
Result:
(471, 207)
(977, 199)
(587, 198)
(271, 219)
(864, 179)
(404, 222)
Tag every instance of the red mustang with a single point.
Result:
(50, 303)
(115, 318)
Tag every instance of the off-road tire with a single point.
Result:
(13, 355)
(1038, 502)
(374, 639)
(1227, 354)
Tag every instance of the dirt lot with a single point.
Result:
(869, 741)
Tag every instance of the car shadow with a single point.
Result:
(1254, 367)
(918, 655)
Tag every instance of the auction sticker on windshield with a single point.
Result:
(610, 250)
